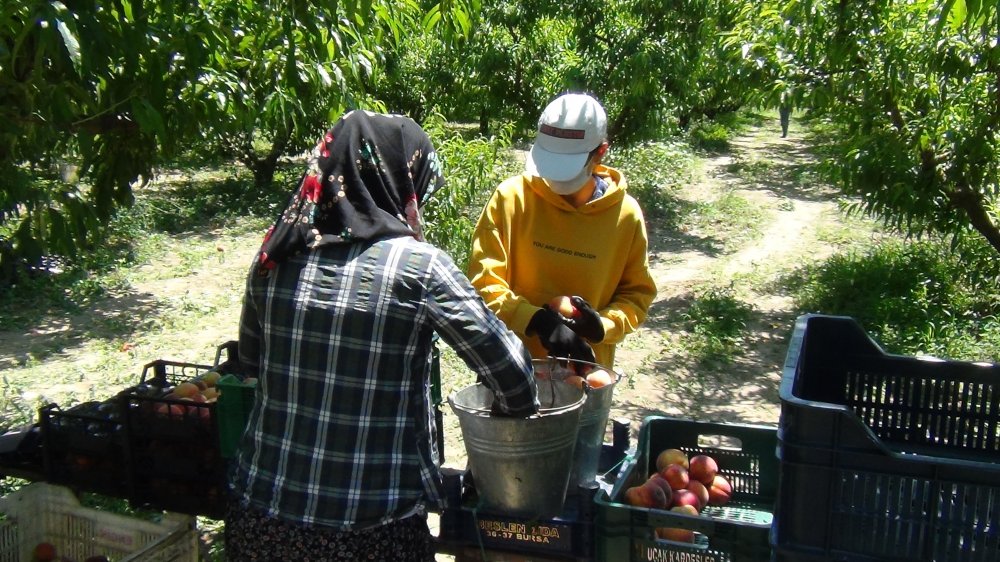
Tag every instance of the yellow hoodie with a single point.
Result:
(530, 245)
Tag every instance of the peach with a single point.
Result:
(598, 378)
(675, 533)
(211, 377)
(574, 380)
(701, 491)
(186, 389)
(671, 456)
(685, 497)
(563, 306)
(658, 497)
(703, 468)
(44, 552)
(662, 483)
(648, 494)
(720, 492)
(677, 476)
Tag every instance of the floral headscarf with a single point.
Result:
(367, 179)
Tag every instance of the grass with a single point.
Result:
(716, 323)
(915, 298)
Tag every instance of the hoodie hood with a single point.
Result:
(613, 196)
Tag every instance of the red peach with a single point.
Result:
(703, 469)
(685, 497)
(676, 475)
(660, 481)
(701, 491)
(720, 492)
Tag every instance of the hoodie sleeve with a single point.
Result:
(635, 292)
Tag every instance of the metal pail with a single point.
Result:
(521, 466)
(593, 418)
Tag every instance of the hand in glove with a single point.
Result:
(557, 338)
(585, 321)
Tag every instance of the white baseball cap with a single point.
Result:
(570, 128)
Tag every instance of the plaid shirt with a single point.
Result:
(342, 432)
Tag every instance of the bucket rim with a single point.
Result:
(552, 360)
(542, 412)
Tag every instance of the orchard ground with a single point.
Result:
(182, 305)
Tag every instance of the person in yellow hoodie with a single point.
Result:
(566, 227)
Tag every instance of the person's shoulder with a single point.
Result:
(513, 185)
(419, 248)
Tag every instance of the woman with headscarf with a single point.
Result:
(338, 460)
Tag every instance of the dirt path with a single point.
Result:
(663, 382)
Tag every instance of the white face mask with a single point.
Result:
(572, 185)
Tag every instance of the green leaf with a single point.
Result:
(324, 75)
(431, 18)
(71, 43)
(148, 117)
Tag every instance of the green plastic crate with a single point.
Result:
(736, 532)
(235, 401)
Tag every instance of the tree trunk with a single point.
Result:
(971, 203)
(484, 122)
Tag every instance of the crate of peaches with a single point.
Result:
(692, 490)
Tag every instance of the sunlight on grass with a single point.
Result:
(731, 219)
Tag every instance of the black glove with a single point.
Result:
(557, 338)
(586, 322)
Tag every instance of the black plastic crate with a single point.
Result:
(735, 532)
(174, 443)
(569, 536)
(464, 528)
(85, 447)
(227, 359)
(885, 457)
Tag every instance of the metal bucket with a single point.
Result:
(521, 466)
(593, 418)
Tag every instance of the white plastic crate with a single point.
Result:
(41, 512)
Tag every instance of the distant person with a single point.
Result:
(339, 459)
(784, 113)
(566, 227)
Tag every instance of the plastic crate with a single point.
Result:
(236, 399)
(174, 443)
(885, 457)
(85, 447)
(566, 537)
(736, 532)
(41, 512)
(467, 530)
(227, 359)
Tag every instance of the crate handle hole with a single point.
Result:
(720, 442)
